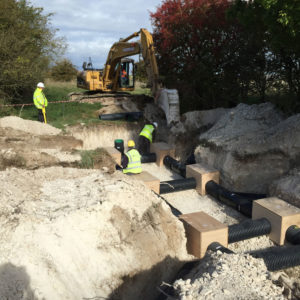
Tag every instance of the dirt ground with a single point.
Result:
(71, 233)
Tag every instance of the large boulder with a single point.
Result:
(287, 188)
(251, 146)
(191, 125)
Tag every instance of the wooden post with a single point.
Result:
(279, 213)
(202, 173)
(162, 150)
(149, 180)
(202, 230)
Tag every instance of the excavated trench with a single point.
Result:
(103, 135)
(139, 243)
(188, 201)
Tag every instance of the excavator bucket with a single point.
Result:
(168, 101)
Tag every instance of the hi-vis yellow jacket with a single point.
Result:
(39, 99)
(134, 162)
(147, 132)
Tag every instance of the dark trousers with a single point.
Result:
(143, 145)
(40, 116)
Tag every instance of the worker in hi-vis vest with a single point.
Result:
(40, 102)
(131, 160)
(146, 137)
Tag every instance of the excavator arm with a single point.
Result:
(148, 54)
(123, 49)
(109, 79)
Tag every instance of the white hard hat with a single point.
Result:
(40, 85)
(155, 124)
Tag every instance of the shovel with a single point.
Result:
(44, 113)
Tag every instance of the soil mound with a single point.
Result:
(221, 276)
(34, 127)
(83, 234)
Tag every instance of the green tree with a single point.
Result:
(276, 24)
(63, 70)
(141, 74)
(27, 46)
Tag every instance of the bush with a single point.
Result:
(63, 70)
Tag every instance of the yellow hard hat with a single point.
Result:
(131, 143)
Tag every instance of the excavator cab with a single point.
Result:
(127, 74)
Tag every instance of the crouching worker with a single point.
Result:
(146, 137)
(131, 160)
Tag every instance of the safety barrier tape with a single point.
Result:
(30, 104)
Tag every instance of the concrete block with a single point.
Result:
(149, 180)
(161, 150)
(202, 174)
(202, 230)
(115, 154)
(279, 213)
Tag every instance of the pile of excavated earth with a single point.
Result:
(74, 233)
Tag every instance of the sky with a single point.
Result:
(90, 27)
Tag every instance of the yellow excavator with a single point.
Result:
(118, 74)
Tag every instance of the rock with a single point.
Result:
(251, 146)
(230, 284)
(287, 188)
(191, 125)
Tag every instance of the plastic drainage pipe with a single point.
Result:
(248, 229)
(175, 165)
(242, 202)
(130, 116)
(148, 157)
(279, 258)
(275, 258)
(253, 228)
(293, 235)
(177, 185)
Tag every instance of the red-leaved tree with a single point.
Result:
(201, 51)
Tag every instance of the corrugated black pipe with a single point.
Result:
(231, 199)
(275, 258)
(248, 229)
(129, 116)
(177, 185)
(148, 158)
(278, 258)
(242, 202)
(215, 246)
(251, 196)
(293, 235)
(175, 165)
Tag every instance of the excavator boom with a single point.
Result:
(118, 74)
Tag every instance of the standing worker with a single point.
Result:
(40, 102)
(131, 160)
(146, 137)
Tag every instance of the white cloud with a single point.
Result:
(91, 27)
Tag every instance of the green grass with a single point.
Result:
(61, 114)
(90, 157)
(141, 91)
